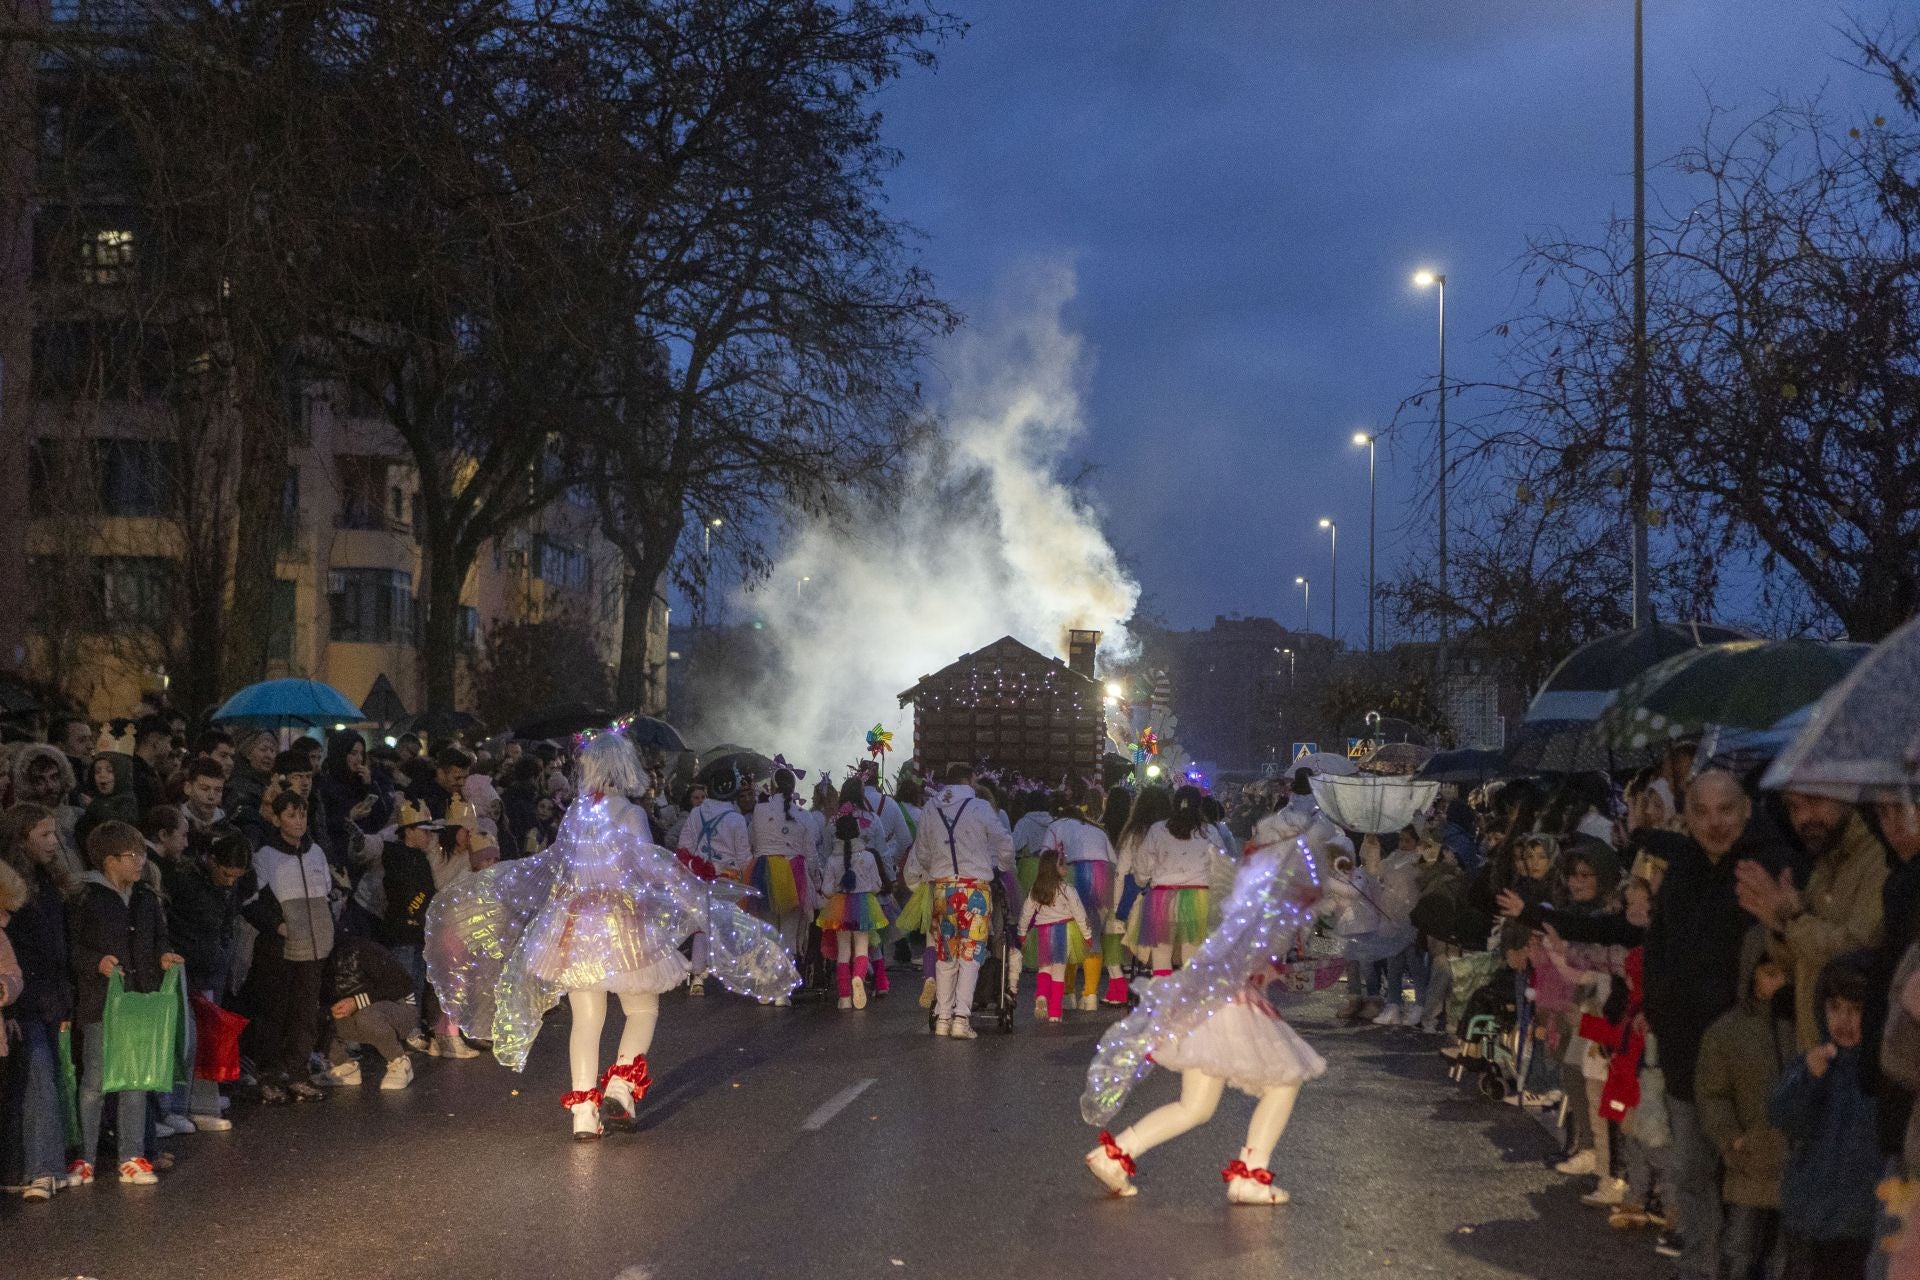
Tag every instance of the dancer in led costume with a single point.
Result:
(1212, 1022)
(602, 911)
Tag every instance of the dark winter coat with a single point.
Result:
(120, 805)
(1900, 929)
(38, 932)
(408, 879)
(1693, 950)
(133, 930)
(200, 918)
(366, 973)
(429, 793)
(1827, 1193)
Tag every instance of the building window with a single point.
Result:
(467, 628)
(560, 565)
(370, 606)
(136, 477)
(106, 256)
(363, 492)
(282, 617)
(133, 589)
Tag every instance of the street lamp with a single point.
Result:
(1333, 607)
(1289, 654)
(706, 535)
(796, 586)
(1306, 603)
(1372, 442)
(1637, 401)
(1425, 279)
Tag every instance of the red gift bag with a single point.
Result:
(216, 1050)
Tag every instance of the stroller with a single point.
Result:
(1490, 1035)
(994, 995)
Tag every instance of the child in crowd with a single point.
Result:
(292, 913)
(1741, 1058)
(115, 923)
(1833, 1160)
(1058, 922)
(849, 882)
(32, 1135)
(203, 894)
(370, 1003)
(1088, 862)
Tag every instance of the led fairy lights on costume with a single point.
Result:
(602, 911)
(1212, 1022)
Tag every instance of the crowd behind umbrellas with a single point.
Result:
(1708, 986)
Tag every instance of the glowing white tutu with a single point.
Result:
(1247, 1044)
(601, 910)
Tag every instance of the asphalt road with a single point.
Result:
(942, 1159)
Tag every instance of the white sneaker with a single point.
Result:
(212, 1124)
(943, 1027)
(1387, 1017)
(859, 993)
(1411, 1015)
(399, 1073)
(1610, 1192)
(417, 1041)
(347, 1072)
(962, 1029)
(169, 1126)
(452, 1047)
(1039, 1008)
(782, 1002)
(926, 994)
(1577, 1165)
(846, 1002)
(696, 986)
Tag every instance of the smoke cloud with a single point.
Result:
(983, 539)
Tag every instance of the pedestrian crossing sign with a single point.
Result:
(1304, 749)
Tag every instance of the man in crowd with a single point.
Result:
(370, 1003)
(41, 776)
(152, 751)
(1692, 976)
(450, 767)
(960, 848)
(1839, 912)
(73, 735)
(217, 746)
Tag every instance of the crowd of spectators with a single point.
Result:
(1711, 990)
(286, 876)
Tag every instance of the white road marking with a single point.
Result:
(835, 1105)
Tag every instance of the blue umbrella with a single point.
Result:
(279, 704)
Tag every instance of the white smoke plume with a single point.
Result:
(984, 540)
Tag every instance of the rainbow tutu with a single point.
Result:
(1093, 881)
(1058, 943)
(856, 912)
(773, 878)
(1173, 916)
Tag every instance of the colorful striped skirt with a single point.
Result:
(858, 912)
(1057, 943)
(777, 880)
(1169, 916)
(1093, 881)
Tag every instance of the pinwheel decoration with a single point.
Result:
(780, 762)
(1150, 742)
(879, 742)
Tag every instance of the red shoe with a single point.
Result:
(79, 1174)
(138, 1172)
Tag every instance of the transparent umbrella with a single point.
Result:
(1863, 738)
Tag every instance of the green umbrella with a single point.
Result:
(1742, 684)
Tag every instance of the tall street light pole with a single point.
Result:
(1306, 603)
(1333, 608)
(1439, 280)
(1637, 411)
(1371, 441)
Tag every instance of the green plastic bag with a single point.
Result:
(142, 1037)
(69, 1083)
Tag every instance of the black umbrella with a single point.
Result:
(724, 775)
(561, 721)
(436, 724)
(382, 702)
(1466, 766)
(1581, 686)
(645, 731)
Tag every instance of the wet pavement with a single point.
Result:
(815, 1143)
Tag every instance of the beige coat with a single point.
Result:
(1842, 916)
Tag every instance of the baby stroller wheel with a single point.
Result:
(1492, 1087)
(1006, 1020)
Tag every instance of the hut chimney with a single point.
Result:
(1081, 646)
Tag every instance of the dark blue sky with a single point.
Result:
(1244, 188)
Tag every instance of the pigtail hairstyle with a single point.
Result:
(783, 784)
(846, 829)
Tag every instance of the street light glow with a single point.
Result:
(1425, 279)
(1299, 582)
(715, 523)
(1153, 771)
(1113, 690)
(1325, 523)
(1361, 437)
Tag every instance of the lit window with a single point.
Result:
(106, 256)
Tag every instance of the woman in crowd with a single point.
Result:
(32, 1134)
(848, 881)
(780, 837)
(1173, 863)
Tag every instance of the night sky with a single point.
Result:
(1244, 188)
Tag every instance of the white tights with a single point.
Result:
(590, 1018)
(1161, 957)
(848, 945)
(1199, 1096)
(792, 928)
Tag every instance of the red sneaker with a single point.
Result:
(79, 1174)
(138, 1172)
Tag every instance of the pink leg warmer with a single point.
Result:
(843, 975)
